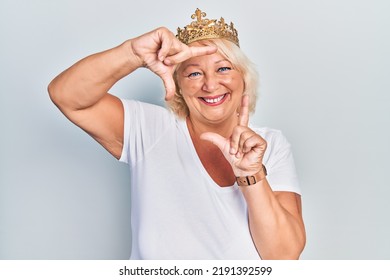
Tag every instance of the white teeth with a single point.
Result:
(213, 100)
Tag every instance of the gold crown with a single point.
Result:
(204, 28)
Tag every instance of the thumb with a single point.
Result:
(216, 139)
(169, 85)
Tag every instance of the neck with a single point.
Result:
(209, 154)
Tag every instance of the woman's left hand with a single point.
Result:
(245, 149)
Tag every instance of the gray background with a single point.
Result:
(323, 66)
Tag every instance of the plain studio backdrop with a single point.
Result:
(323, 68)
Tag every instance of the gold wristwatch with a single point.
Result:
(253, 179)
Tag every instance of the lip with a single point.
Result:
(213, 100)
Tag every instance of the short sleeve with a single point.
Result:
(144, 124)
(279, 162)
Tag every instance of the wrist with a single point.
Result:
(134, 59)
(252, 179)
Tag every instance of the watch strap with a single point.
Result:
(252, 179)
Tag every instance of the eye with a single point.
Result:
(224, 69)
(194, 75)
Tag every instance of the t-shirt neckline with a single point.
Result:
(199, 164)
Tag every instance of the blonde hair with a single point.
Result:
(240, 62)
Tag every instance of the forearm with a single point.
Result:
(276, 232)
(87, 81)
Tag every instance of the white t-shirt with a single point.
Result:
(178, 211)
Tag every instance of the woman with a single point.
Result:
(200, 188)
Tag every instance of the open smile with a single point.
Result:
(214, 100)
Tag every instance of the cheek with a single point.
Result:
(235, 83)
(189, 87)
(239, 81)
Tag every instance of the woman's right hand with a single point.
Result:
(160, 50)
(81, 91)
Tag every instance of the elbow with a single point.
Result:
(296, 250)
(297, 244)
(292, 253)
(302, 242)
(295, 254)
(290, 250)
(52, 90)
(57, 95)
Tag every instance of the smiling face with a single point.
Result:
(211, 88)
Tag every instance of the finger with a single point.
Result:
(166, 38)
(216, 139)
(247, 141)
(255, 143)
(243, 138)
(202, 50)
(169, 85)
(164, 50)
(189, 52)
(235, 139)
(244, 111)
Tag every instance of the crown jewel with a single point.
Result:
(204, 28)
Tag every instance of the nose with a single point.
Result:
(210, 83)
